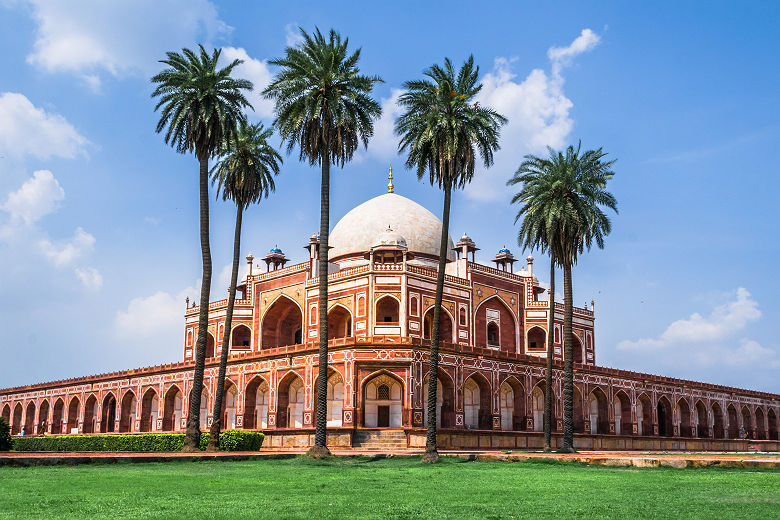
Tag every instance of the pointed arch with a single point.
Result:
(58, 414)
(241, 337)
(108, 417)
(494, 309)
(537, 407)
(445, 399)
(149, 405)
(74, 409)
(90, 414)
(577, 352)
(772, 420)
(512, 404)
(334, 397)
(382, 393)
(578, 413)
(477, 397)
(172, 409)
(684, 422)
(622, 410)
(702, 419)
(282, 323)
(29, 418)
(256, 395)
(211, 348)
(340, 322)
(718, 428)
(644, 415)
(290, 401)
(387, 310)
(759, 429)
(43, 417)
(16, 423)
(731, 412)
(204, 406)
(127, 412)
(446, 325)
(664, 414)
(599, 411)
(747, 421)
(536, 339)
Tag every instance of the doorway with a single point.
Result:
(383, 416)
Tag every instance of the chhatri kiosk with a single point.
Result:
(382, 280)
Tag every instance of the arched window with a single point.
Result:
(462, 316)
(413, 306)
(361, 306)
(383, 392)
(242, 337)
(282, 324)
(492, 334)
(387, 311)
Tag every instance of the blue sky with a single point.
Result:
(98, 218)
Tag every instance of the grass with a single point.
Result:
(389, 488)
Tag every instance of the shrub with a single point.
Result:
(230, 440)
(5, 435)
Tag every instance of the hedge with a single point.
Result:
(229, 440)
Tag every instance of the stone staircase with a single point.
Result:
(379, 440)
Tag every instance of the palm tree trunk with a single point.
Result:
(321, 434)
(568, 363)
(431, 448)
(548, 391)
(192, 439)
(216, 425)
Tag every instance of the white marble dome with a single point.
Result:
(389, 238)
(358, 230)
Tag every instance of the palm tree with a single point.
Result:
(245, 175)
(443, 129)
(324, 105)
(573, 188)
(541, 214)
(201, 107)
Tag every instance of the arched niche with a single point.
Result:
(339, 322)
(256, 395)
(58, 414)
(172, 409)
(241, 337)
(446, 329)
(644, 415)
(43, 417)
(282, 324)
(512, 404)
(388, 311)
(664, 413)
(718, 427)
(108, 417)
(684, 418)
(290, 396)
(599, 412)
(445, 400)
(127, 412)
(149, 405)
(334, 398)
(74, 408)
(702, 424)
(477, 414)
(383, 401)
(495, 325)
(622, 410)
(90, 414)
(537, 339)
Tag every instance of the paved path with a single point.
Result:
(602, 458)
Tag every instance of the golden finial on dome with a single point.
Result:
(390, 184)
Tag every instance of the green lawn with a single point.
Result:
(391, 488)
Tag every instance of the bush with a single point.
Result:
(230, 440)
(5, 435)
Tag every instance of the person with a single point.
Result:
(742, 433)
(21, 433)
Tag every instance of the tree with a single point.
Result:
(567, 190)
(324, 106)
(541, 212)
(5, 435)
(201, 107)
(443, 129)
(244, 175)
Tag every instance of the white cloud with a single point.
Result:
(89, 38)
(725, 320)
(36, 198)
(384, 144)
(257, 72)
(537, 109)
(562, 56)
(292, 35)
(147, 317)
(66, 252)
(89, 277)
(29, 130)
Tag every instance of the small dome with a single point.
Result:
(389, 238)
(503, 250)
(275, 249)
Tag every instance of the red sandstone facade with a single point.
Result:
(491, 376)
